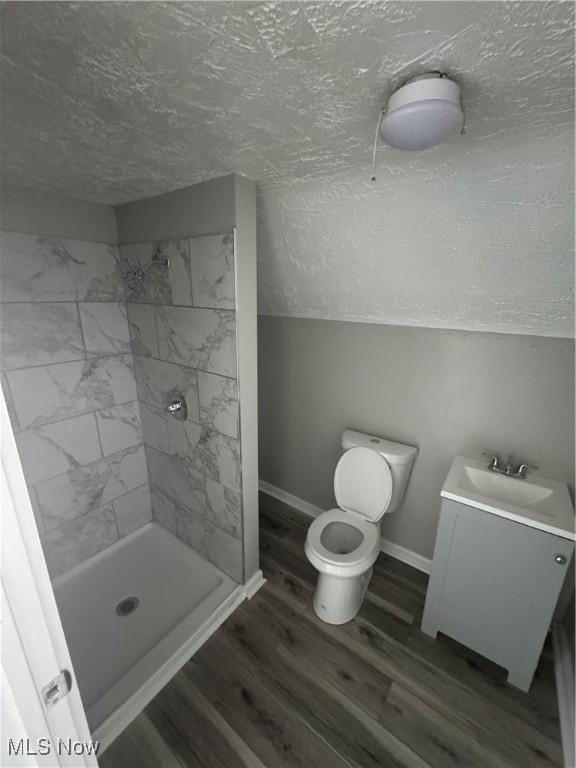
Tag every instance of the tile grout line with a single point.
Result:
(157, 489)
(110, 300)
(170, 306)
(129, 449)
(69, 362)
(186, 421)
(65, 301)
(107, 355)
(184, 365)
(77, 416)
(92, 511)
(175, 455)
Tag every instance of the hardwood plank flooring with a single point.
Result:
(275, 687)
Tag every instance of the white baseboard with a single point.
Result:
(396, 551)
(407, 556)
(253, 584)
(564, 672)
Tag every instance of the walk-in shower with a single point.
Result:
(128, 368)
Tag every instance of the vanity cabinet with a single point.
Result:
(494, 586)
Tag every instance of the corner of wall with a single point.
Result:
(246, 297)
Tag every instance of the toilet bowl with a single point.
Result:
(343, 548)
(343, 543)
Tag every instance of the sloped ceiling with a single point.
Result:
(115, 101)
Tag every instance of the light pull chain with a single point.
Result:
(380, 116)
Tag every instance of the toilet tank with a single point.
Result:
(400, 459)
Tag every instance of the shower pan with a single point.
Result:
(140, 455)
(132, 616)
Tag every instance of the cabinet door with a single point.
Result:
(497, 584)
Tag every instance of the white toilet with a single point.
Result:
(343, 544)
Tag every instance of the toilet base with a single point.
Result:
(337, 600)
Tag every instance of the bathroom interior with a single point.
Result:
(287, 362)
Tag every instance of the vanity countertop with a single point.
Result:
(535, 501)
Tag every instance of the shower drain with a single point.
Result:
(127, 605)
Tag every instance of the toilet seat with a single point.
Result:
(352, 563)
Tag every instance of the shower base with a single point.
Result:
(133, 615)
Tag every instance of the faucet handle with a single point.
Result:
(521, 469)
(495, 459)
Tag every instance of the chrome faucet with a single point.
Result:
(508, 469)
(495, 461)
(520, 471)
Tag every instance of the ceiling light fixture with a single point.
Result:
(422, 113)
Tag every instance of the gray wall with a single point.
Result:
(54, 215)
(446, 392)
(202, 209)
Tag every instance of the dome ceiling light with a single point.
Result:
(422, 113)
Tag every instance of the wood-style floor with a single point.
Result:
(276, 687)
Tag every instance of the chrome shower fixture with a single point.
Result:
(176, 405)
(159, 263)
(135, 277)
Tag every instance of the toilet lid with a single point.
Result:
(363, 483)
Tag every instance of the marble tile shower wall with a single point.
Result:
(68, 378)
(182, 319)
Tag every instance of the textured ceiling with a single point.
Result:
(116, 101)
(484, 241)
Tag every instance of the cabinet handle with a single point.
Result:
(560, 559)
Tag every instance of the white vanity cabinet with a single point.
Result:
(494, 586)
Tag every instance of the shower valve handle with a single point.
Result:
(176, 406)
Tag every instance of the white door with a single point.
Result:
(43, 722)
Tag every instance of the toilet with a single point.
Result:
(343, 544)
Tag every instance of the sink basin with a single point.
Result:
(510, 490)
(536, 501)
